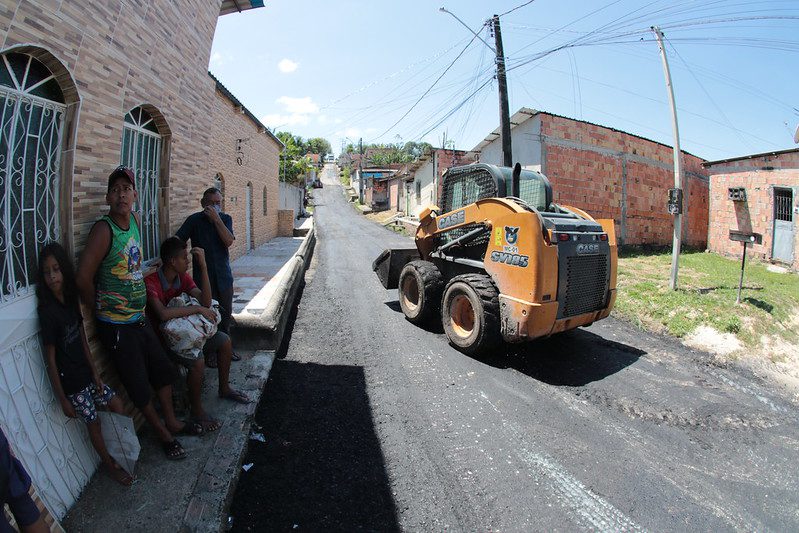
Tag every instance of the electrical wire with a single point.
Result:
(515, 8)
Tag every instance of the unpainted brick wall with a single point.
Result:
(758, 176)
(596, 168)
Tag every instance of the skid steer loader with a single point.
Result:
(500, 260)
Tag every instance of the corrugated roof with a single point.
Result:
(229, 95)
(237, 6)
(753, 156)
(525, 113)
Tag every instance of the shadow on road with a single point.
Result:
(321, 467)
(572, 359)
(433, 326)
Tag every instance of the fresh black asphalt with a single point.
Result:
(372, 423)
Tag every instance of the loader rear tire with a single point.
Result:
(470, 313)
(420, 285)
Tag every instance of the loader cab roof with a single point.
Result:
(467, 184)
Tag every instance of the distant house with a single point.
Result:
(421, 181)
(609, 174)
(375, 182)
(756, 194)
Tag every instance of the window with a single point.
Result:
(264, 200)
(418, 190)
(219, 184)
(32, 109)
(141, 151)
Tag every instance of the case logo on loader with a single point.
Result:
(510, 259)
(458, 217)
(587, 249)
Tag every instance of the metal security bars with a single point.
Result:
(141, 151)
(783, 198)
(31, 125)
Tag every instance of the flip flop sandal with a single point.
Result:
(235, 357)
(173, 450)
(236, 396)
(191, 428)
(209, 424)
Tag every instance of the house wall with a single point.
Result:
(612, 174)
(110, 57)
(394, 194)
(424, 175)
(525, 145)
(759, 176)
(291, 197)
(259, 154)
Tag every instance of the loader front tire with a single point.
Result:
(470, 313)
(420, 285)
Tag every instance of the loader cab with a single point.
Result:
(467, 184)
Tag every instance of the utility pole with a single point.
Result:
(676, 199)
(360, 170)
(502, 83)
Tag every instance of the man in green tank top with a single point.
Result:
(112, 259)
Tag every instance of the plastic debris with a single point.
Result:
(258, 436)
(247, 467)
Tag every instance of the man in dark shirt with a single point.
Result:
(212, 230)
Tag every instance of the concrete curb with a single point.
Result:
(211, 495)
(265, 331)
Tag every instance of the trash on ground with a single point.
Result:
(258, 436)
(247, 467)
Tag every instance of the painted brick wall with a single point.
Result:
(758, 176)
(609, 173)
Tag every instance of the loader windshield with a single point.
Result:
(534, 188)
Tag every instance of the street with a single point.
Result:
(371, 423)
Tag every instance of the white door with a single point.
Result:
(248, 216)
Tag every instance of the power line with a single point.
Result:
(517, 7)
(431, 87)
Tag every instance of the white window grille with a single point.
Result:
(31, 125)
(141, 152)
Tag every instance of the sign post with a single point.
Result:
(745, 238)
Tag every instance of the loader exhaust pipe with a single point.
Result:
(517, 172)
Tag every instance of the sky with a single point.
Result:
(390, 72)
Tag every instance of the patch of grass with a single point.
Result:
(707, 287)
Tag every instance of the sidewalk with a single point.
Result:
(193, 494)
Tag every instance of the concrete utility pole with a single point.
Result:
(360, 170)
(675, 251)
(502, 83)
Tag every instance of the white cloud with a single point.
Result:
(338, 121)
(287, 65)
(275, 120)
(296, 111)
(323, 119)
(303, 106)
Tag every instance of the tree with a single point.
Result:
(320, 146)
(293, 163)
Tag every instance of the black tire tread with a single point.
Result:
(489, 298)
(432, 287)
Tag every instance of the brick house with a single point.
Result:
(609, 174)
(86, 86)
(756, 194)
(422, 183)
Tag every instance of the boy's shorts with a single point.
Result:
(85, 401)
(139, 358)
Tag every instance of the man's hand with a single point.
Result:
(208, 313)
(68, 408)
(211, 213)
(198, 254)
(98, 382)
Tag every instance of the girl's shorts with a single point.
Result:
(85, 400)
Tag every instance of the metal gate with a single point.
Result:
(783, 226)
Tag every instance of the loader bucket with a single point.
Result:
(389, 264)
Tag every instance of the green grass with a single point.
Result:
(707, 287)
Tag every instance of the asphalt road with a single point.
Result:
(372, 423)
